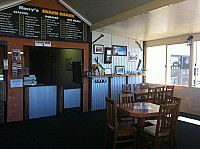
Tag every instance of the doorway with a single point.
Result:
(3, 82)
(57, 66)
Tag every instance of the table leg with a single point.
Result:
(141, 122)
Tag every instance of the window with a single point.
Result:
(175, 57)
(196, 60)
(178, 60)
(156, 60)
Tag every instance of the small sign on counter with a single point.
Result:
(16, 83)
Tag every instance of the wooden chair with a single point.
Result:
(140, 86)
(136, 86)
(141, 97)
(126, 98)
(159, 95)
(152, 136)
(126, 87)
(122, 130)
(172, 100)
(177, 101)
(151, 95)
(169, 91)
(144, 85)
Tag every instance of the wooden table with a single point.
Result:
(140, 114)
(140, 91)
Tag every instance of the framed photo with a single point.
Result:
(133, 57)
(119, 50)
(108, 55)
(108, 71)
(68, 65)
(98, 49)
(119, 70)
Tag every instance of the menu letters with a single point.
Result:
(40, 23)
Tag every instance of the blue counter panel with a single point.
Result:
(72, 98)
(42, 101)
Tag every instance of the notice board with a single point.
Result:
(40, 23)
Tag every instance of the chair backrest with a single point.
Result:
(166, 119)
(151, 94)
(126, 87)
(136, 86)
(111, 112)
(144, 86)
(126, 98)
(159, 94)
(169, 90)
(177, 101)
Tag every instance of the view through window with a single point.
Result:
(175, 57)
(156, 60)
(196, 75)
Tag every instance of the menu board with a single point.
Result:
(40, 23)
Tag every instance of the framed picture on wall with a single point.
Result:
(108, 55)
(119, 50)
(133, 57)
(119, 70)
(107, 71)
(68, 66)
(98, 49)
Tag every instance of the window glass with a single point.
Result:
(196, 67)
(178, 61)
(156, 60)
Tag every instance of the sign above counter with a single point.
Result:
(40, 23)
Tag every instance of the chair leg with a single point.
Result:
(175, 139)
(106, 138)
(171, 142)
(134, 141)
(114, 141)
(157, 145)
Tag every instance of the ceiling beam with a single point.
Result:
(9, 5)
(75, 12)
(143, 9)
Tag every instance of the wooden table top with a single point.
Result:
(140, 91)
(131, 109)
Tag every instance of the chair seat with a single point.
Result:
(154, 122)
(151, 130)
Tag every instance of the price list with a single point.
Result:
(39, 23)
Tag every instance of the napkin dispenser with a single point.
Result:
(146, 106)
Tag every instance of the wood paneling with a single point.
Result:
(60, 99)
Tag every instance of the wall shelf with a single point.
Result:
(114, 76)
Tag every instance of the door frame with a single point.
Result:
(4, 43)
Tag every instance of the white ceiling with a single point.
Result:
(172, 20)
(97, 10)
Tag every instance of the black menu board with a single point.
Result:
(41, 23)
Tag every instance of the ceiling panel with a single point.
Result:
(97, 10)
(173, 20)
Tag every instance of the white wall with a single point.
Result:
(99, 90)
(108, 40)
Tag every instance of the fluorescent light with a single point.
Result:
(189, 120)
